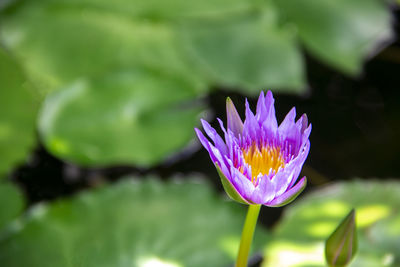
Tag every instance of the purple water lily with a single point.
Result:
(259, 162)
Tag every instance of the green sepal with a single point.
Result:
(341, 246)
(229, 189)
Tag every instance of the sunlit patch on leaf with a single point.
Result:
(369, 214)
(309, 221)
(320, 229)
(57, 144)
(292, 254)
(156, 262)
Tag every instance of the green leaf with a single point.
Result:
(90, 40)
(299, 238)
(17, 116)
(386, 233)
(341, 246)
(132, 223)
(11, 203)
(342, 33)
(104, 116)
(128, 117)
(246, 53)
(162, 10)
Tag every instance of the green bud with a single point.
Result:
(341, 246)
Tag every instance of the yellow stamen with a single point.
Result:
(263, 161)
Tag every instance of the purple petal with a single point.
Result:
(268, 119)
(203, 140)
(302, 123)
(242, 184)
(214, 153)
(212, 133)
(306, 134)
(251, 127)
(299, 161)
(264, 192)
(286, 177)
(261, 108)
(230, 140)
(269, 99)
(235, 124)
(304, 129)
(221, 161)
(283, 179)
(230, 190)
(288, 123)
(288, 196)
(289, 133)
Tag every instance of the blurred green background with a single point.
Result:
(100, 165)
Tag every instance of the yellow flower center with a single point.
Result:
(263, 161)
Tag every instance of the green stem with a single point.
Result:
(247, 235)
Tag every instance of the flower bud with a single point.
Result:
(341, 246)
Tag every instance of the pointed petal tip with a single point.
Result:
(304, 122)
(307, 130)
(292, 112)
(197, 130)
(234, 123)
(269, 98)
(200, 135)
(352, 213)
(204, 123)
(203, 140)
(229, 104)
(305, 118)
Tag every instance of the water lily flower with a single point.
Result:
(258, 161)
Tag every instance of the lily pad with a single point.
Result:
(11, 203)
(17, 118)
(130, 117)
(299, 238)
(132, 223)
(157, 10)
(90, 40)
(342, 33)
(246, 53)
